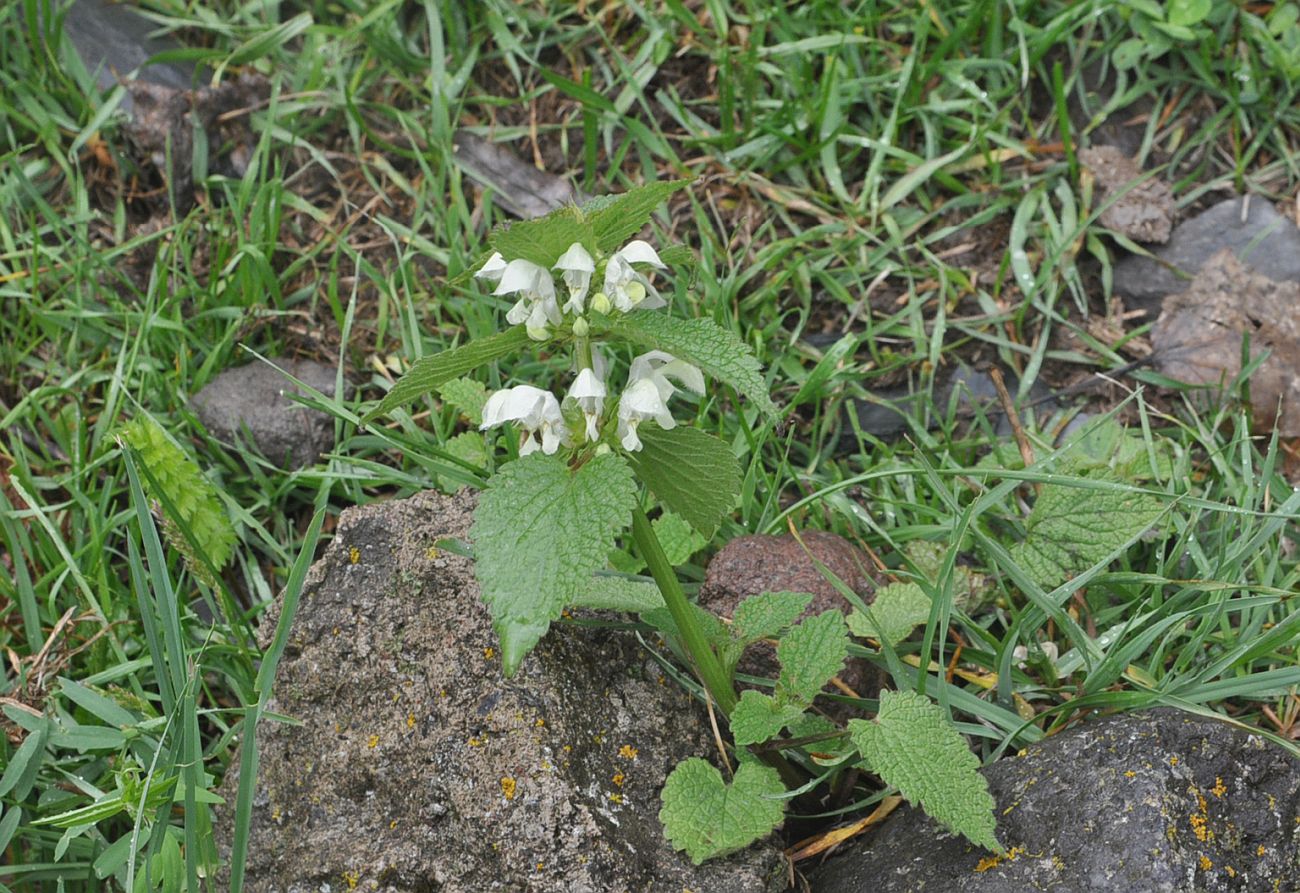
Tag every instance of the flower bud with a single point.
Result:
(600, 302)
(580, 327)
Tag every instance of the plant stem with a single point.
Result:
(706, 662)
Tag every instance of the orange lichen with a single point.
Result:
(628, 752)
(354, 555)
(993, 861)
(410, 720)
(489, 652)
(351, 878)
(1173, 761)
(1230, 871)
(619, 778)
(616, 798)
(540, 723)
(392, 826)
(1219, 788)
(1130, 774)
(508, 787)
(1261, 851)
(372, 742)
(1206, 864)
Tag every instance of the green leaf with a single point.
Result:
(912, 746)
(607, 592)
(540, 532)
(811, 654)
(897, 609)
(428, 373)
(715, 350)
(468, 446)
(96, 704)
(1186, 13)
(679, 539)
(692, 473)
(468, 395)
(758, 717)
(20, 775)
(768, 614)
(970, 589)
(1110, 448)
(707, 817)
(1070, 529)
(617, 218)
(543, 239)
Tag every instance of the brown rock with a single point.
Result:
(1143, 210)
(1198, 337)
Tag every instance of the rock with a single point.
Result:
(1142, 211)
(252, 400)
(1198, 337)
(115, 41)
(518, 187)
(418, 767)
(1155, 801)
(1265, 241)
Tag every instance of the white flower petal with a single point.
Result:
(492, 270)
(640, 252)
(524, 404)
(527, 277)
(587, 384)
(641, 400)
(576, 259)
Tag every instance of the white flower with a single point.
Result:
(577, 266)
(492, 270)
(535, 410)
(659, 366)
(627, 288)
(537, 305)
(640, 401)
(588, 391)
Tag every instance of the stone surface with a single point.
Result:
(1157, 802)
(1198, 338)
(1137, 206)
(252, 401)
(1265, 241)
(417, 767)
(517, 186)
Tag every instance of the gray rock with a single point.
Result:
(418, 767)
(1265, 241)
(1137, 205)
(252, 401)
(115, 42)
(1147, 802)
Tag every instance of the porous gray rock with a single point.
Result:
(1137, 205)
(1158, 802)
(417, 767)
(253, 401)
(1262, 239)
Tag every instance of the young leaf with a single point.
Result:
(912, 746)
(430, 372)
(758, 717)
(468, 395)
(679, 539)
(812, 653)
(543, 239)
(1072, 528)
(897, 609)
(693, 473)
(540, 532)
(468, 446)
(716, 351)
(617, 218)
(766, 615)
(707, 817)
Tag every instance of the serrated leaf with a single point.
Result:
(897, 609)
(468, 446)
(616, 218)
(606, 592)
(662, 620)
(1112, 449)
(540, 532)
(692, 473)
(811, 654)
(912, 746)
(970, 589)
(543, 239)
(468, 395)
(679, 539)
(758, 717)
(428, 373)
(707, 817)
(718, 352)
(1070, 529)
(767, 614)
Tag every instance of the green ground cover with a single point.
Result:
(900, 178)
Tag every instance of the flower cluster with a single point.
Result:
(653, 377)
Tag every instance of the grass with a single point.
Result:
(900, 176)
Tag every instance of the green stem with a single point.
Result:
(706, 662)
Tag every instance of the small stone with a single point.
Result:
(1198, 338)
(1160, 801)
(252, 401)
(1142, 211)
(1262, 239)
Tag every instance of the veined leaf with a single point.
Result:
(543, 239)
(617, 218)
(912, 746)
(896, 610)
(811, 654)
(607, 592)
(430, 372)
(468, 395)
(715, 350)
(693, 473)
(540, 532)
(758, 717)
(707, 817)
